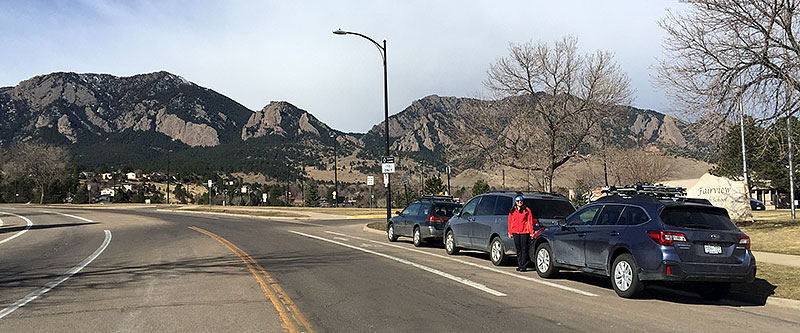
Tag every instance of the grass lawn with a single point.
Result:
(380, 225)
(773, 280)
(774, 231)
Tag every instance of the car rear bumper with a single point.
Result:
(680, 272)
(431, 232)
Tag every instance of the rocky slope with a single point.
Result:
(84, 108)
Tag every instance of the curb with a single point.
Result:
(373, 216)
(784, 302)
(235, 215)
(370, 230)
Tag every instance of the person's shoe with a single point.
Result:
(519, 269)
(523, 269)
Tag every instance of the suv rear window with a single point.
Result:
(444, 210)
(708, 218)
(549, 209)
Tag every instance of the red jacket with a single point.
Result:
(520, 222)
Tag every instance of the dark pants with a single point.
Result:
(521, 242)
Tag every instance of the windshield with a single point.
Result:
(689, 217)
(549, 209)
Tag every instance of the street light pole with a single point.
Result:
(168, 151)
(335, 174)
(382, 50)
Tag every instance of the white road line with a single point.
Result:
(413, 264)
(18, 233)
(52, 284)
(67, 215)
(491, 269)
(1, 222)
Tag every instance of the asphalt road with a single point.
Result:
(129, 270)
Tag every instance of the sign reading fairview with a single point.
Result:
(387, 164)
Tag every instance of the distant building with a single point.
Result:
(128, 187)
(109, 192)
(106, 176)
(132, 176)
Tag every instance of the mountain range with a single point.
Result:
(137, 121)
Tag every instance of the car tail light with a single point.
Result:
(666, 238)
(669, 270)
(437, 219)
(745, 240)
(537, 232)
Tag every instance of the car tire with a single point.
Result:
(497, 252)
(390, 233)
(450, 243)
(545, 266)
(713, 291)
(417, 237)
(625, 277)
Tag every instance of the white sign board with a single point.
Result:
(263, 197)
(385, 180)
(209, 183)
(370, 180)
(725, 193)
(388, 167)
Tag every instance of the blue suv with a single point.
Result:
(641, 239)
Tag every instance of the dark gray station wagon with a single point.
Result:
(483, 222)
(423, 220)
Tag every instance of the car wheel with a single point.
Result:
(544, 261)
(497, 252)
(713, 291)
(625, 277)
(390, 233)
(417, 237)
(450, 243)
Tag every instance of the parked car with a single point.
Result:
(757, 205)
(641, 239)
(483, 222)
(422, 220)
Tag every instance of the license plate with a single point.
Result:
(712, 249)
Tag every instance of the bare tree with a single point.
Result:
(634, 165)
(547, 100)
(718, 51)
(43, 164)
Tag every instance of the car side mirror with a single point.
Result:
(398, 213)
(457, 212)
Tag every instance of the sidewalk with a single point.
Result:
(776, 258)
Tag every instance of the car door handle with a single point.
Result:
(614, 233)
(471, 219)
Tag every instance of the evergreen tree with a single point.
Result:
(81, 196)
(480, 187)
(433, 185)
(312, 193)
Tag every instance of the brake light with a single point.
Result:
(666, 238)
(437, 219)
(537, 232)
(745, 240)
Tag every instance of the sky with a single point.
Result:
(260, 51)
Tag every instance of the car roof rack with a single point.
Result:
(526, 193)
(657, 191)
(439, 197)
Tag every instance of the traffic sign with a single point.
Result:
(209, 183)
(387, 167)
(387, 159)
(405, 180)
(370, 180)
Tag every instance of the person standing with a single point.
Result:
(520, 229)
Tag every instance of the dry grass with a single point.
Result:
(335, 211)
(774, 231)
(773, 281)
(380, 225)
(262, 212)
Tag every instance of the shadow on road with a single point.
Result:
(17, 280)
(42, 226)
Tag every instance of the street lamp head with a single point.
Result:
(340, 32)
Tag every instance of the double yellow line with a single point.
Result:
(292, 319)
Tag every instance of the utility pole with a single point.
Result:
(504, 179)
(744, 150)
(791, 168)
(168, 151)
(448, 181)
